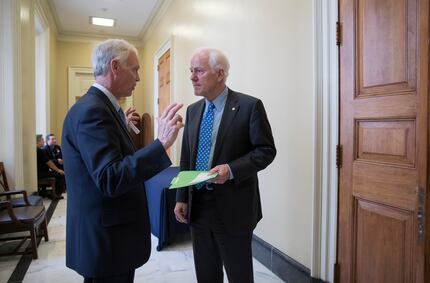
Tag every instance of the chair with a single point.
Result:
(145, 136)
(48, 182)
(146, 130)
(17, 201)
(21, 219)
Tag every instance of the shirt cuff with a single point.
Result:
(230, 173)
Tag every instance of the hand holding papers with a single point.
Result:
(189, 178)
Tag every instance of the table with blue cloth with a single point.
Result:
(161, 202)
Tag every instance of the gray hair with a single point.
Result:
(108, 50)
(217, 60)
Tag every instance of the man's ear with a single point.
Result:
(114, 66)
(221, 75)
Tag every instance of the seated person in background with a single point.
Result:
(47, 169)
(53, 150)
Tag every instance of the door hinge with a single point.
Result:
(336, 272)
(339, 152)
(158, 101)
(338, 33)
(420, 215)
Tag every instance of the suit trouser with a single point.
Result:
(120, 278)
(213, 247)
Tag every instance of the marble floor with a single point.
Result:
(174, 264)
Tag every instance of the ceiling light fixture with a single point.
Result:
(102, 22)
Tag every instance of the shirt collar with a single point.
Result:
(220, 100)
(109, 95)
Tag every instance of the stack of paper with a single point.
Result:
(189, 178)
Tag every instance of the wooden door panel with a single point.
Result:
(385, 184)
(386, 141)
(378, 229)
(164, 84)
(387, 106)
(164, 81)
(386, 46)
(383, 133)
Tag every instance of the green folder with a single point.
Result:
(189, 178)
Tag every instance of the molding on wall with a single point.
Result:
(326, 138)
(279, 263)
(45, 9)
(157, 14)
(92, 38)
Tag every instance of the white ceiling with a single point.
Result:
(72, 17)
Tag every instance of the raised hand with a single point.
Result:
(169, 124)
(131, 115)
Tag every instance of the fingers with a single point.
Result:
(129, 110)
(180, 212)
(176, 121)
(171, 110)
(223, 174)
(169, 124)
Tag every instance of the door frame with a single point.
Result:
(326, 131)
(72, 73)
(168, 44)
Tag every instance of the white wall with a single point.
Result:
(270, 47)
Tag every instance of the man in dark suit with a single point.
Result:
(229, 133)
(53, 150)
(108, 232)
(46, 168)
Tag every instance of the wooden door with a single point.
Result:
(164, 83)
(383, 134)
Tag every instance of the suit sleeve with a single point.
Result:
(263, 149)
(114, 167)
(185, 163)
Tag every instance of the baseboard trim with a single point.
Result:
(280, 264)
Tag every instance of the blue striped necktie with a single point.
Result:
(205, 143)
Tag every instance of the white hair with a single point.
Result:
(108, 50)
(217, 60)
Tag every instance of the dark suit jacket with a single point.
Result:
(107, 219)
(245, 143)
(54, 154)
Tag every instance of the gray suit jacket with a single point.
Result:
(246, 144)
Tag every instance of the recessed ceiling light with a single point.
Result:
(102, 22)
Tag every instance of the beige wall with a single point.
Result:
(72, 54)
(69, 54)
(270, 46)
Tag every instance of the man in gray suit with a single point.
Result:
(227, 132)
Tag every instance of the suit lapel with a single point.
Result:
(194, 125)
(230, 110)
(115, 113)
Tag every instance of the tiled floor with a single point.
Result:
(174, 264)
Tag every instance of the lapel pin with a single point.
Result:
(233, 108)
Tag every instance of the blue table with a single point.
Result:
(161, 202)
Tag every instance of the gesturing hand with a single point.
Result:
(169, 124)
(131, 115)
